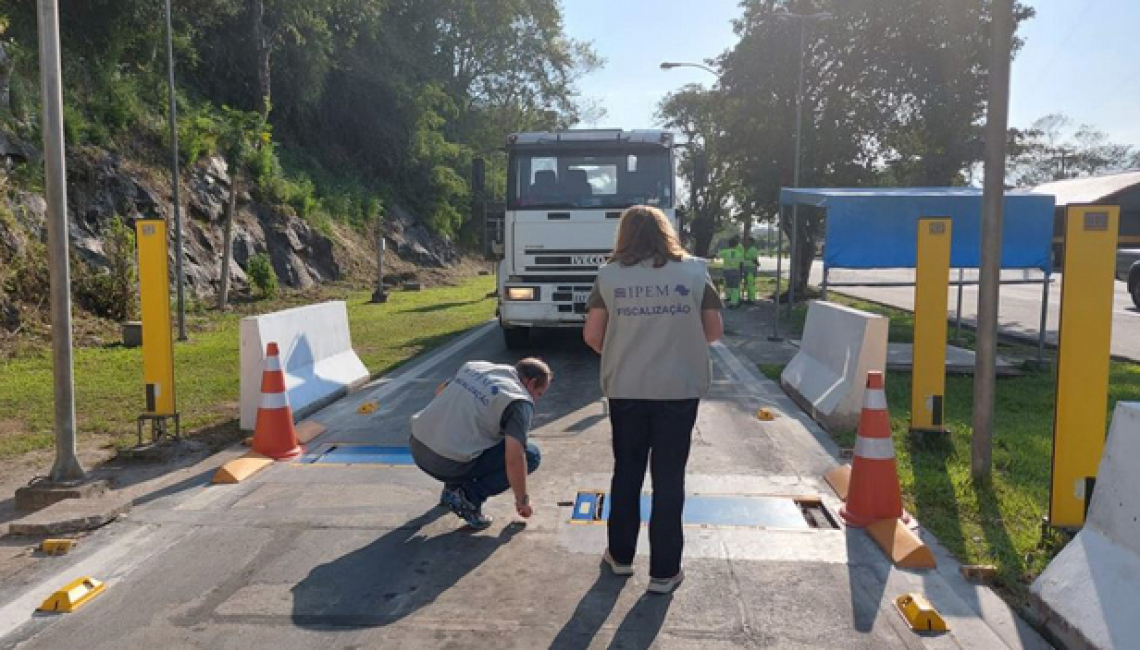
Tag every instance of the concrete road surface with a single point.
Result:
(360, 556)
(1019, 312)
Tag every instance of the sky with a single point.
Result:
(1081, 58)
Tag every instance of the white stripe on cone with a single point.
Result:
(875, 448)
(274, 400)
(273, 363)
(875, 399)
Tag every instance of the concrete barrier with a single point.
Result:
(840, 346)
(316, 351)
(1089, 595)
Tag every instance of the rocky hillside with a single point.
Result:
(102, 185)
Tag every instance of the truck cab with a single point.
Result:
(565, 194)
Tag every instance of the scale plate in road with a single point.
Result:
(356, 454)
(714, 510)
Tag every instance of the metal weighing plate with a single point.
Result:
(347, 454)
(728, 510)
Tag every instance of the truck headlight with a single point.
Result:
(522, 293)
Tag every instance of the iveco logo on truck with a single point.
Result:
(588, 260)
(564, 191)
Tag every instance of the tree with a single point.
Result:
(5, 70)
(239, 135)
(698, 115)
(1051, 149)
(894, 93)
(389, 98)
(512, 59)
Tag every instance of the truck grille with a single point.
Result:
(566, 260)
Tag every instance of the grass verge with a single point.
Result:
(998, 523)
(109, 385)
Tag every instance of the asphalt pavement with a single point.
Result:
(1019, 310)
(361, 555)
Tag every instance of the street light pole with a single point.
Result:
(669, 65)
(803, 20)
(993, 198)
(697, 175)
(179, 275)
(796, 168)
(66, 467)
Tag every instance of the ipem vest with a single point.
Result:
(464, 420)
(655, 344)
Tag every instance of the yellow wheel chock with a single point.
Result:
(73, 596)
(57, 546)
(919, 614)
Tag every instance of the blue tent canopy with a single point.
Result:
(877, 228)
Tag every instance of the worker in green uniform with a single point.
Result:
(750, 262)
(732, 256)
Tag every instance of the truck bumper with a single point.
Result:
(539, 314)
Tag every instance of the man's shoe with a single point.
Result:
(451, 496)
(666, 585)
(476, 519)
(617, 568)
(463, 507)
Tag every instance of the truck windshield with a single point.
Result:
(562, 179)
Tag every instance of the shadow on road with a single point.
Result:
(867, 580)
(392, 577)
(638, 630)
(640, 627)
(592, 611)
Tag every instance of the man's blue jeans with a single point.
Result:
(488, 475)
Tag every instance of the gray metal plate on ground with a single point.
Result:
(724, 510)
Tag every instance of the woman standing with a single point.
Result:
(652, 314)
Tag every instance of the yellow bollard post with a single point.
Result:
(158, 340)
(932, 284)
(1080, 420)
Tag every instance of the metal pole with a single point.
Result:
(66, 467)
(1044, 319)
(958, 318)
(793, 273)
(779, 270)
(792, 270)
(992, 202)
(179, 275)
(380, 296)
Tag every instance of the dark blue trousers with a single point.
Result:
(487, 475)
(657, 434)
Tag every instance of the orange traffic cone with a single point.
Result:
(874, 490)
(274, 435)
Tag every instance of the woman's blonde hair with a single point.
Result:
(645, 233)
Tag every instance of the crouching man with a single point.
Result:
(473, 435)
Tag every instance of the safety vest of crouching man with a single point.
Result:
(473, 435)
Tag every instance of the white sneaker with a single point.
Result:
(666, 585)
(615, 567)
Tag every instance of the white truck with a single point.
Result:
(565, 193)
